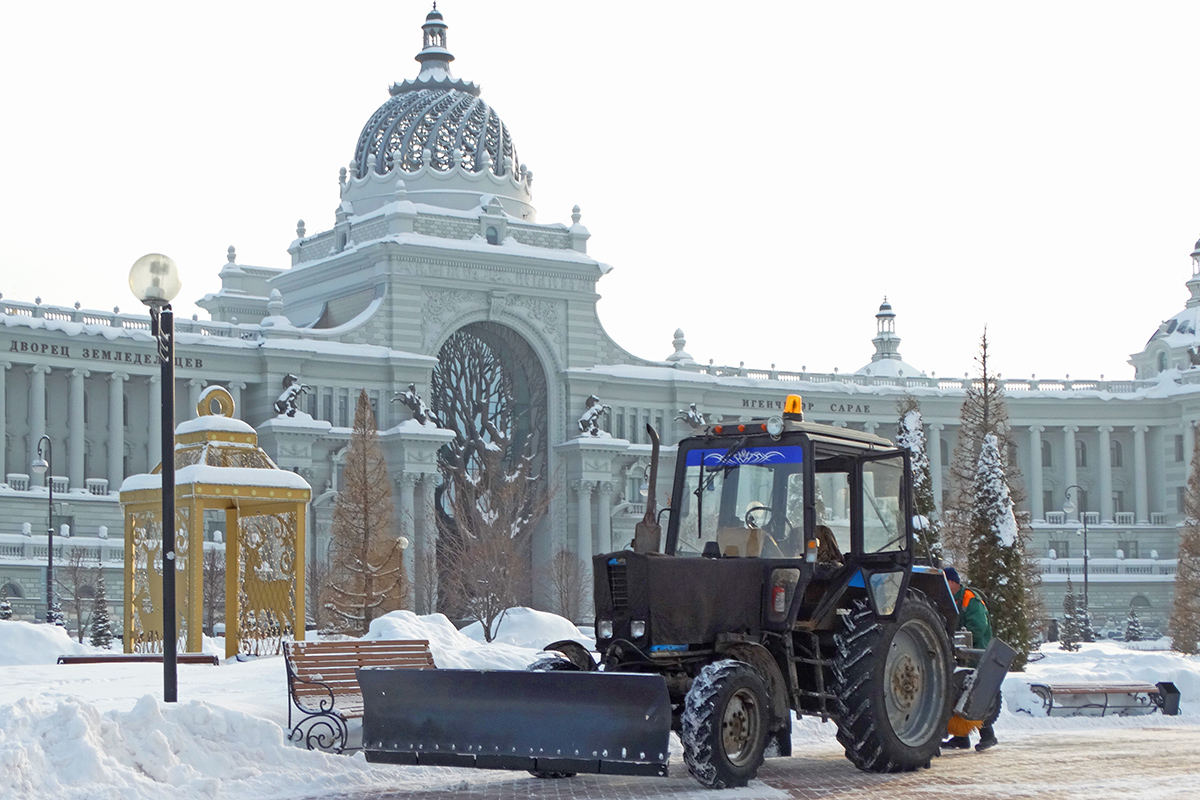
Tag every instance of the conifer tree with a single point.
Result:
(101, 635)
(1069, 632)
(1184, 624)
(985, 412)
(367, 573)
(911, 434)
(5, 604)
(1133, 627)
(995, 554)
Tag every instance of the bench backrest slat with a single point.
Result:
(335, 663)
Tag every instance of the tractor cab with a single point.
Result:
(789, 489)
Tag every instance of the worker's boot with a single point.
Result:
(957, 743)
(987, 738)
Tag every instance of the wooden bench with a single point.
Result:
(323, 685)
(141, 658)
(1096, 699)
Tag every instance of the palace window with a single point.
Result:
(1129, 548)
(1179, 448)
(1062, 549)
(1080, 454)
(1118, 501)
(1048, 501)
(1114, 449)
(1179, 497)
(1047, 456)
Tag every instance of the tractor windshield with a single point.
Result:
(743, 500)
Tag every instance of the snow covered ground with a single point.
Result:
(101, 731)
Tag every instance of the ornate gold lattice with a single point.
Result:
(266, 581)
(146, 601)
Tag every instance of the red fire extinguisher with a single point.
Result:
(779, 599)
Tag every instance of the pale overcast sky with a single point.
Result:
(760, 175)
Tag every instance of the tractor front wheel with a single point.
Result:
(725, 719)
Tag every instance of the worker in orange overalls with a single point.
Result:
(972, 615)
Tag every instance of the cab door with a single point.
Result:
(882, 529)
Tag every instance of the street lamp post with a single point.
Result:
(1067, 509)
(43, 466)
(154, 280)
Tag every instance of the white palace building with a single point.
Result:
(436, 233)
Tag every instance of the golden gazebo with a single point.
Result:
(219, 465)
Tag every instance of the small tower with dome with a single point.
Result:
(886, 362)
(1175, 344)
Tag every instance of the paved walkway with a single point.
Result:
(1133, 764)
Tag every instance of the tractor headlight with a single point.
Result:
(637, 628)
(775, 425)
(604, 629)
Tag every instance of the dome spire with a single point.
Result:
(434, 42)
(435, 61)
(887, 343)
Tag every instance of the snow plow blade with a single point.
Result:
(558, 721)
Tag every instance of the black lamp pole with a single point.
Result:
(162, 326)
(49, 463)
(1083, 519)
(154, 280)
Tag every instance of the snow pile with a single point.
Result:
(30, 643)
(1114, 662)
(69, 749)
(451, 649)
(528, 627)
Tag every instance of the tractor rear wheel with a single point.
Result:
(893, 682)
(725, 719)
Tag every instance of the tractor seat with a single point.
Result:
(740, 542)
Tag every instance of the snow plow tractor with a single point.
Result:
(786, 582)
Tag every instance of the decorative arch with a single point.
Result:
(14, 590)
(502, 366)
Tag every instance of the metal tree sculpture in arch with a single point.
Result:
(490, 389)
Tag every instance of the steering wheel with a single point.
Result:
(750, 512)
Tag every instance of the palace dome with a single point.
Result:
(436, 121)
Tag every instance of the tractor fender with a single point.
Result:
(932, 583)
(761, 659)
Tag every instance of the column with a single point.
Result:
(1106, 504)
(1037, 506)
(933, 447)
(583, 544)
(604, 512)
(154, 425)
(1070, 475)
(37, 420)
(195, 386)
(75, 427)
(116, 429)
(4, 365)
(235, 391)
(406, 483)
(1189, 445)
(427, 566)
(1141, 503)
